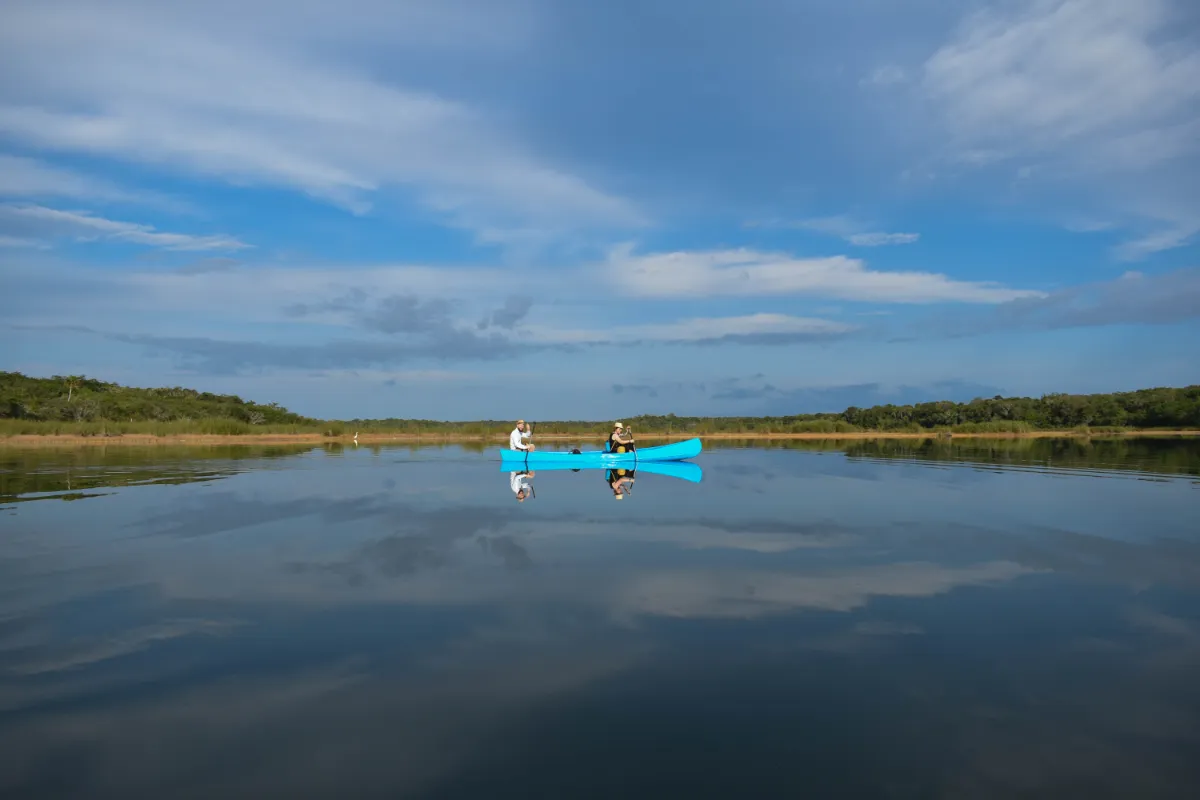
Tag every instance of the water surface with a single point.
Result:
(874, 619)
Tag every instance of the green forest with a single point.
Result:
(78, 404)
(75, 403)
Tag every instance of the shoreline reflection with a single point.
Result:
(825, 624)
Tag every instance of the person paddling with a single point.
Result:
(620, 440)
(516, 439)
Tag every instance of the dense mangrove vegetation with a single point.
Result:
(76, 398)
(81, 405)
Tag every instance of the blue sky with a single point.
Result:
(565, 209)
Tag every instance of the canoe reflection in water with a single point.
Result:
(619, 479)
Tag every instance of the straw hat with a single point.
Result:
(618, 424)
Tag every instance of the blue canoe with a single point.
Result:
(675, 451)
(683, 470)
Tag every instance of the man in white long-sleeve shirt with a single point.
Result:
(516, 439)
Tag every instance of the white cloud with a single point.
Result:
(836, 225)
(83, 652)
(749, 594)
(1102, 92)
(699, 536)
(17, 241)
(482, 286)
(405, 376)
(887, 75)
(1057, 70)
(30, 178)
(1079, 223)
(44, 223)
(695, 329)
(713, 327)
(563, 303)
(1163, 239)
(184, 91)
(847, 228)
(878, 239)
(745, 272)
(246, 293)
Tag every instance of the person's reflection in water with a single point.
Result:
(620, 481)
(521, 484)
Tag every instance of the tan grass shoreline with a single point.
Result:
(144, 439)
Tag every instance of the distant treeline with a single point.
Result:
(81, 400)
(74, 404)
(1164, 408)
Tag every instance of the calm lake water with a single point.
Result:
(886, 619)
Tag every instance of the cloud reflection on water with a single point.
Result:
(279, 630)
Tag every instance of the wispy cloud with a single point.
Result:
(745, 272)
(844, 227)
(188, 93)
(423, 330)
(225, 296)
(1044, 74)
(750, 329)
(887, 75)
(1132, 299)
(772, 399)
(1100, 92)
(31, 179)
(209, 355)
(19, 241)
(515, 309)
(407, 313)
(352, 301)
(1138, 249)
(752, 594)
(760, 328)
(1079, 223)
(208, 265)
(39, 223)
(84, 652)
(878, 239)
(634, 388)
